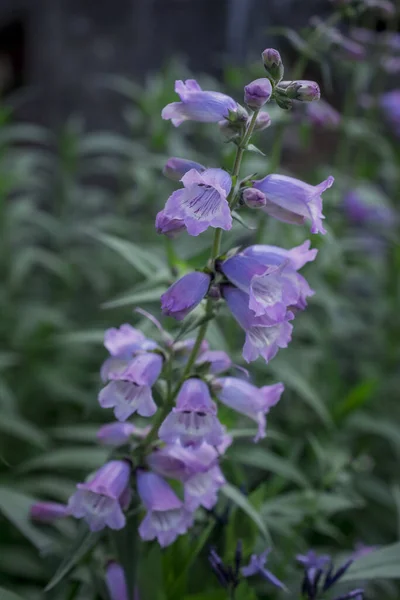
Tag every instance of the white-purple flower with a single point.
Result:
(185, 294)
(143, 370)
(202, 488)
(127, 398)
(166, 516)
(249, 400)
(297, 257)
(99, 500)
(293, 201)
(124, 341)
(263, 336)
(257, 93)
(118, 434)
(194, 418)
(48, 512)
(217, 361)
(197, 105)
(116, 582)
(202, 202)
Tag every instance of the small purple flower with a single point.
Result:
(202, 489)
(253, 198)
(175, 168)
(390, 105)
(177, 462)
(314, 566)
(194, 418)
(48, 512)
(257, 93)
(218, 361)
(185, 294)
(197, 105)
(257, 567)
(297, 257)
(321, 114)
(127, 398)
(143, 370)
(263, 337)
(115, 434)
(166, 517)
(202, 202)
(249, 400)
(293, 201)
(273, 64)
(116, 582)
(99, 500)
(170, 227)
(124, 341)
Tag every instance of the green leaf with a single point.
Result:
(236, 216)
(76, 433)
(16, 507)
(83, 544)
(384, 428)
(253, 148)
(357, 397)
(266, 460)
(152, 295)
(231, 492)
(8, 595)
(17, 427)
(78, 459)
(379, 564)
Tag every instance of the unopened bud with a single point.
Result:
(304, 91)
(273, 64)
(48, 512)
(257, 93)
(254, 198)
(263, 121)
(175, 168)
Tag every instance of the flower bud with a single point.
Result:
(175, 168)
(273, 64)
(254, 198)
(48, 512)
(304, 91)
(185, 294)
(263, 121)
(257, 93)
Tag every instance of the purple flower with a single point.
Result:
(314, 565)
(193, 420)
(390, 104)
(297, 257)
(127, 398)
(175, 168)
(185, 294)
(273, 64)
(218, 361)
(263, 121)
(202, 202)
(257, 567)
(360, 210)
(115, 582)
(197, 105)
(99, 500)
(257, 93)
(125, 341)
(301, 90)
(249, 400)
(202, 489)
(115, 434)
(322, 114)
(166, 517)
(293, 201)
(177, 462)
(169, 226)
(143, 370)
(47, 512)
(254, 198)
(263, 338)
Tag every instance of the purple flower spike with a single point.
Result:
(202, 202)
(218, 360)
(143, 370)
(127, 398)
(257, 567)
(193, 420)
(169, 226)
(257, 93)
(115, 434)
(98, 501)
(185, 294)
(175, 168)
(116, 582)
(263, 337)
(166, 517)
(293, 201)
(124, 341)
(197, 105)
(48, 512)
(249, 400)
(273, 255)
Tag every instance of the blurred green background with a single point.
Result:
(78, 252)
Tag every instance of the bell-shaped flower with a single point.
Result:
(99, 500)
(116, 582)
(194, 418)
(217, 360)
(143, 369)
(202, 488)
(249, 400)
(293, 201)
(177, 462)
(197, 105)
(295, 257)
(170, 227)
(202, 202)
(48, 512)
(185, 294)
(263, 336)
(175, 168)
(127, 398)
(166, 516)
(124, 341)
(118, 434)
